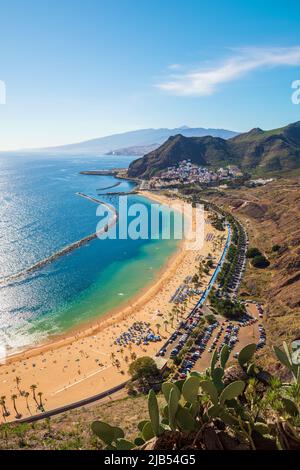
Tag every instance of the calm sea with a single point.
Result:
(40, 213)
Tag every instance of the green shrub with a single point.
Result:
(260, 262)
(210, 318)
(253, 252)
(227, 307)
(143, 367)
(276, 248)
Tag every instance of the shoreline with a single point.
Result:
(112, 315)
(83, 362)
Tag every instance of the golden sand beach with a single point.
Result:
(86, 361)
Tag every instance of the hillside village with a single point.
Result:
(186, 172)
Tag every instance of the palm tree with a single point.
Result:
(112, 356)
(18, 381)
(2, 404)
(158, 327)
(41, 406)
(183, 308)
(175, 311)
(166, 324)
(26, 395)
(14, 397)
(172, 320)
(5, 411)
(200, 269)
(33, 388)
(133, 356)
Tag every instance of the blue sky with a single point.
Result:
(78, 69)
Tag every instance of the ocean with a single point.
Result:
(40, 213)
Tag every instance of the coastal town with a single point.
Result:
(186, 172)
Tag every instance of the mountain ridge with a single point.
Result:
(266, 151)
(135, 140)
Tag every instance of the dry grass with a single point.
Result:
(72, 430)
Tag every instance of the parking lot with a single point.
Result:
(179, 338)
(236, 334)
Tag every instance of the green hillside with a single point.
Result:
(256, 151)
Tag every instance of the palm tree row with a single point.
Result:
(37, 397)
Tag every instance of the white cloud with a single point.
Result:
(174, 66)
(205, 81)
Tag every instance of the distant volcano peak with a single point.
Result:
(255, 130)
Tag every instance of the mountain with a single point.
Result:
(274, 150)
(131, 143)
(135, 150)
(256, 150)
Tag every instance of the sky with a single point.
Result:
(72, 70)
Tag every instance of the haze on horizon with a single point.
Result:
(78, 70)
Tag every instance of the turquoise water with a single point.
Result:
(40, 214)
